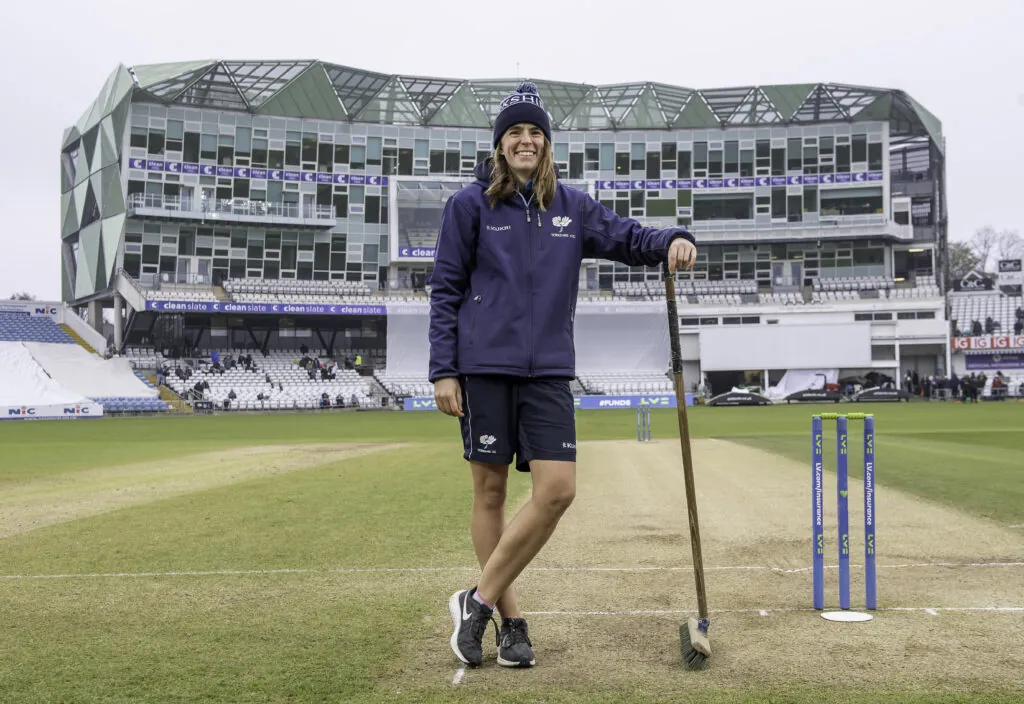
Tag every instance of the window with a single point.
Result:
(621, 163)
(863, 201)
(875, 156)
(794, 207)
(372, 210)
(902, 217)
(700, 156)
(592, 161)
(715, 163)
(763, 154)
(575, 165)
(374, 148)
(732, 158)
(607, 157)
(653, 165)
(826, 146)
(810, 160)
(208, 147)
(276, 159)
(325, 157)
(357, 158)
(225, 155)
(661, 208)
(436, 161)
(175, 132)
(778, 162)
(637, 153)
(860, 148)
(452, 160)
(794, 147)
(156, 142)
(324, 191)
(259, 152)
(746, 162)
(292, 152)
(779, 203)
(140, 137)
(243, 141)
(810, 199)
(668, 155)
(723, 208)
(309, 149)
(191, 150)
(405, 162)
(842, 158)
(866, 256)
(684, 169)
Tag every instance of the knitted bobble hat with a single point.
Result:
(524, 105)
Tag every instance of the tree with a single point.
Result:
(22, 296)
(962, 261)
(983, 243)
(1009, 245)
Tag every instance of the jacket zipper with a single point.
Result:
(529, 276)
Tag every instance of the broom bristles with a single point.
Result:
(694, 643)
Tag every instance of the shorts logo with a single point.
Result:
(486, 441)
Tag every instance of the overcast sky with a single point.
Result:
(961, 61)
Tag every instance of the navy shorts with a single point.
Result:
(506, 416)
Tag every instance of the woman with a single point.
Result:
(503, 301)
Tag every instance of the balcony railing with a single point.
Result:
(827, 227)
(237, 209)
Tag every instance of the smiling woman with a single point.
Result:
(502, 354)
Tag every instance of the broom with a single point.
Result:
(693, 634)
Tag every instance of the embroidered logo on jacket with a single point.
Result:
(562, 222)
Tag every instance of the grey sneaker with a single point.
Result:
(514, 646)
(470, 620)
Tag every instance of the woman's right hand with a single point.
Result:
(448, 396)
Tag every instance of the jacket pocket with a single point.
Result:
(475, 304)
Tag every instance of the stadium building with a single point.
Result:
(238, 205)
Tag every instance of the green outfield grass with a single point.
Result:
(320, 630)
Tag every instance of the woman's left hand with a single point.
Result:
(681, 254)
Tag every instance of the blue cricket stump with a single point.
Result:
(817, 518)
(643, 424)
(869, 513)
(843, 516)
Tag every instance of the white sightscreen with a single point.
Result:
(408, 341)
(785, 347)
(608, 338)
(627, 338)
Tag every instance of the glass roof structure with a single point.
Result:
(322, 90)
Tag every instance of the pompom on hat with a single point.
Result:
(524, 105)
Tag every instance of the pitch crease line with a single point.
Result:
(931, 610)
(388, 570)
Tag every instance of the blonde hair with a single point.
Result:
(503, 179)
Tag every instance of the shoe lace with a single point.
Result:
(516, 631)
(480, 626)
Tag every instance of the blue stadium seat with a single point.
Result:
(22, 327)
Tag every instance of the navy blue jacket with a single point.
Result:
(505, 281)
